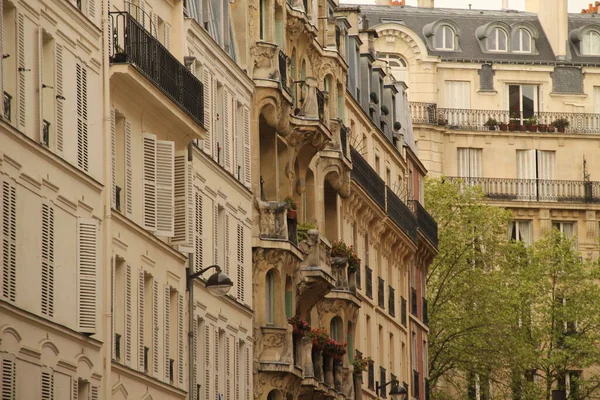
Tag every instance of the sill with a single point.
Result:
(557, 94)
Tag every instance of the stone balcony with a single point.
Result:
(274, 223)
(270, 67)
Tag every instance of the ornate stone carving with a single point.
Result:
(266, 65)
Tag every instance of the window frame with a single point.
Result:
(496, 49)
(444, 32)
(519, 32)
(589, 34)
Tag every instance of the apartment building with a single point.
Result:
(507, 100)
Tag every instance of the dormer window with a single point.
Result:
(497, 40)
(590, 46)
(444, 38)
(521, 41)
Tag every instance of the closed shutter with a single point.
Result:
(238, 378)
(247, 370)
(92, 9)
(47, 385)
(168, 36)
(86, 258)
(246, 128)
(215, 232)
(141, 320)
(227, 246)
(22, 75)
(115, 306)
(167, 330)
(94, 392)
(150, 181)
(128, 171)
(48, 259)
(198, 239)
(240, 262)
(180, 339)
(154, 27)
(215, 122)
(155, 328)
(228, 376)
(59, 101)
(194, 377)
(235, 140)
(1, 52)
(207, 83)
(8, 234)
(183, 226)
(9, 379)
(226, 131)
(207, 360)
(217, 365)
(113, 158)
(128, 315)
(82, 122)
(165, 176)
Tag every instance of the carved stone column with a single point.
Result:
(337, 374)
(328, 366)
(318, 364)
(357, 386)
(307, 360)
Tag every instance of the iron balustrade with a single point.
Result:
(344, 140)
(425, 314)
(401, 214)
(416, 384)
(367, 178)
(283, 62)
(380, 292)
(391, 301)
(371, 372)
(423, 113)
(321, 104)
(46, 133)
(7, 112)
(549, 190)
(369, 282)
(403, 310)
(425, 222)
(414, 309)
(382, 382)
(133, 44)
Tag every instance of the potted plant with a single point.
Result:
(551, 129)
(512, 127)
(303, 229)
(291, 206)
(543, 128)
(522, 128)
(360, 364)
(340, 249)
(319, 338)
(442, 122)
(374, 98)
(560, 124)
(300, 326)
(491, 124)
(385, 110)
(503, 126)
(531, 124)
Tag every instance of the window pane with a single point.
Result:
(501, 40)
(528, 92)
(514, 102)
(526, 41)
(438, 42)
(595, 43)
(449, 38)
(492, 40)
(516, 41)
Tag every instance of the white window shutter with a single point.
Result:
(215, 233)
(246, 128)
(183, 229)
(234, 139)
(228, 377)
(94, 392)
(217, 365)
(115, 306)
(154, 27)
(156, 330)
(240, 262)
(208, 120)
(113, 158)
(59, 103)
(238, 378)
(128, 171)
(128, 315)
(82, 123)
(194, 376)
(87, 237)
(149, 181)
(48, 259)
(207, 360)
(165, 177)
(168, 36)
(227, 246)
(226, 131)
(9, 379)
(47, 384)
(1, 52)
(9, 239)
(215, 122)
(92, 9)
(141, 320)
(180, 339)
(247, 370)
(167, 331)
(198, 233)
(21, 76)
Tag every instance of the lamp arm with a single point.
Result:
(379, 387)
(202, 271)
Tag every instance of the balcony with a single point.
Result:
(273, 222)
(367, 178)
(399, 212)
(403, 314)
(133, 44)
(425, 222)
(315, 270)
(539, 190)
(7, 111)
(392, 301)
(413, 302)
(416, 384)
(283, 63)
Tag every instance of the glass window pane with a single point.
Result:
(449, 38)
(492, 40)
(515, 41)
(586, 44)
(595, 43)
(514, 102)
(501, 40)
(526, 40)
(438, 42)
(528, 92)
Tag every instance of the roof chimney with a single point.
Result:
(554, 20)
(425, 3)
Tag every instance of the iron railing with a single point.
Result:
(369, 282)
(414, 309)
(371, 373)
(403, 315)
(549, 190)
(367, 178)
(283, 62)
(425, 222)
(425, 314)
(382, 382)
(416, 384)
(344, 140)
(392, 301)
(46, 132)
(401, 214)
(133, 44)
(380, 292)
(321, 104)
(7, 112)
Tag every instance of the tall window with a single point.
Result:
(523, 102)
(458, 95)
(336, 329)
(520, 231)
(536, 170)
(590, 46)
(521, 41)
(469, 162)
(270, 297)
(263, 19)
(398, 67)
(566, 228)
(497, 40)
(444, 38)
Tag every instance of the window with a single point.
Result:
(523, 102)
(414, 350)
(497, 40)
(82, 118)
(458, 94)
(270, 297)
(263, 20)
(590, 46)
(520, 231)
(381, 292)
(87, 232)
(48, 94)
(369, 282)
(535, 170)
(444, 38)
(398, 66)
(469, 162)
(566, 228)
(336, 329)
(521, 41)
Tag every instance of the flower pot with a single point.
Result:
(522, 128)
(551, 129)
(492, 128)
(543, 128)
(512, 127)
(292, 214)
(533, 128)
(503, 127)
(561, 130)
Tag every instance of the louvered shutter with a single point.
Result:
(208, 121)
(154, 27)
(240, 262)
(183, 212)
(235, 162)
(198, 238)
(82, 123)
(165, 176)
(238, 378)
(215, 233)
(128, 315)
(92, 9)
(94, 392)
(59, 103)
(74, 388)
(22, 75)
(207, 360)
(194, 376)
(215, 122)
(217, 365)
(167, 330)
(1, 52)
(155, 329)
(9, 379)
(141, 319)
(128, 171)
(9, 239)
(180, 339)
(168, 36)
(86, 257)
(150, 181)
(47, 385)
(247, 370)
(228, 377)
(226, 131)
(113, 285)
(227, 247)
(48, 259)
(246, 128)
(113, 158)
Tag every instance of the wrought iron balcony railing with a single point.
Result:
(7, 111)
(367, 178)
(425, 222)
(344, 140)
(401, 214)
(283, 62)
(403, 313)
(423, 113)
(535, 189)
(414, 309)
(416, 383)
(321, 104)
(133, 44)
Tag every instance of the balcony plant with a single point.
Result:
(303, 228)
(442, 122)
(523, 128)
(360, 364)
(543, 128)
(319, 338)
(551, 129)
(332, 348)
(292, 207)
(560, 124)
(300, 326)
(531, 124)
(503, 126)
(513, 127)
(491, 123)
(340, 249)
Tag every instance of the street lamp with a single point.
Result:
(218, 284)
(397, 393)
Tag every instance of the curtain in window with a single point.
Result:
(524, 231)
(469, 163)
(568, 230)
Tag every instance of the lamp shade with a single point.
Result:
(218, 284)
(398, 392)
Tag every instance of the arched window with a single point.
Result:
(444, 38)
(497, 40)
(270, 297)
(591, 43)
(263, 19)
(289, 298)
(521, 41)
(398, 67)
(336, 329)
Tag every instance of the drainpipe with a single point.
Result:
(191, 355)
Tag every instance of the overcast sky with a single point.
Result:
(575, 6)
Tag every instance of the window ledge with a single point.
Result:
(559, 94)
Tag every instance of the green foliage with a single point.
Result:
(303, 228)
